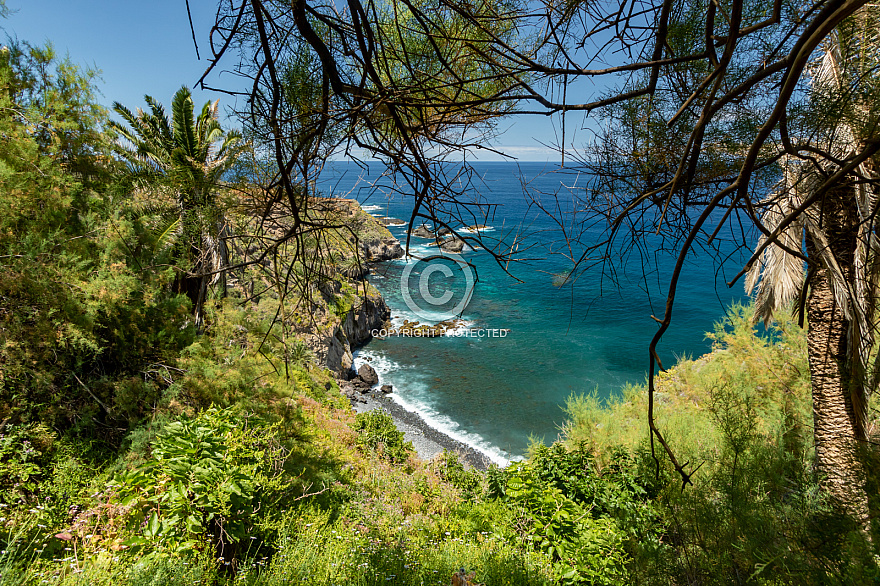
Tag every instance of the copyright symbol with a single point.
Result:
(437, 287)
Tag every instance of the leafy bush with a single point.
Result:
(468, 482)
(581, 519)
(376, 430)
(206, 479)
(42, 476)
(25, 455)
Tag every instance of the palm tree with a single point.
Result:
(838, 231)
(187, 155)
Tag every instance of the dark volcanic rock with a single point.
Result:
(423, 232)
(391, 221)
(368, 375)
(453, 245)
(360, 386)
(381, 249)
(362, 321)
(338, 358)
(334, 350)
(353, 392)
(387, 388)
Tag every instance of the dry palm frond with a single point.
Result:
(778, 276)
(851, 125)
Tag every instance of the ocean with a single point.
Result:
(529, 341)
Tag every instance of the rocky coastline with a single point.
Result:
(427, 441)
(442, 238)
(335, 346)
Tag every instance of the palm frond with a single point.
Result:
(777, 277)
(182, 156)
(162, 122)
(183, 121)
(165, 237)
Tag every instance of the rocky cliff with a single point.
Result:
(375, 243)
(343, 332)
(332, 308)
(334, 347)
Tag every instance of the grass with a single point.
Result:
(315, 551)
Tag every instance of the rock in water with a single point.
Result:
(453, 245)
(381, 249)
(368, 375)
(387, 388)
(423, 232)
(391, 221)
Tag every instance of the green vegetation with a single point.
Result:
(179, 162)
(755, 512)
(136, 449)
(205, 476)
(712, 124)
(376, 430)
(140, 444)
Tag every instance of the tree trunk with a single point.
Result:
(838, 431)
(222, 251)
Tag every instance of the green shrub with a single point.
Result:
(754, 512)
(313, 550)
(376, 430)
(25, 457)
(468, 482)
(581, 519)
(205, 481)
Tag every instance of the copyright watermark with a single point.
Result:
(437, 287)
(432, 333)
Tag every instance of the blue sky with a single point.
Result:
(146, 48)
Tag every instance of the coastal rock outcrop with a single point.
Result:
(375, 242)
(388, 221)
(368, 374)
(380, 249)
(453, 245)
(370, 315)
(423, 232)
(414, 329)
(338, 358)
(340, 311)
(355, 330)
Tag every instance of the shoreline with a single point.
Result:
(427, 441)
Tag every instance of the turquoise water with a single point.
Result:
(497, 390)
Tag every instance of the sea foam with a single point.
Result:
(481, 230)
(390, 372)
